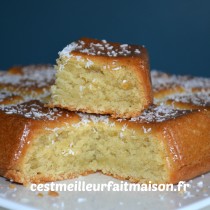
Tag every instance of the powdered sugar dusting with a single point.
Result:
(198, 98)
(30, 76)
(101, 48)
(162, 80)
(91, 118)
(68, 49)
(34, 110)
(5, 94)
(153, 114)
(159, 114)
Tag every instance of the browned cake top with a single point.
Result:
(34, 110)
(29, 76)
(159, 114)
(101, 48)
(198, 99)
(166, 81)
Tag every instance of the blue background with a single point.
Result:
(176, 32)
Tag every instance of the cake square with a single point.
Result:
(53, 144)
(102, 77)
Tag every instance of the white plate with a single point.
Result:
(22, 198)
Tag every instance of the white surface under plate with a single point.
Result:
(196, 197)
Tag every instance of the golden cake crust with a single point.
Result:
(188, 156)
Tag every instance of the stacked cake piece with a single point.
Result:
(137, 140)
(103, 78)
